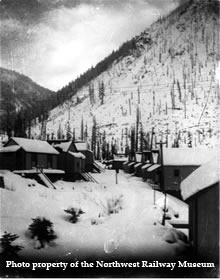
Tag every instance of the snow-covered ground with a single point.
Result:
(134, 230)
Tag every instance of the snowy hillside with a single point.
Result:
(169, 79)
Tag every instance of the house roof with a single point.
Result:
(146, 166)
(10, 149)
(33, 146)
(187, 156)
(81, 146)
(153, 167)
(203, 177)
(64, 146)
(77, 155)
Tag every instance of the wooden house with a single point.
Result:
(178, 163)
(89, 160)
(149, 158)
(201, 191)
(25, 154)
(125, 165)
(128, 166)
(138, 164)
(118, 161)
(70, 160)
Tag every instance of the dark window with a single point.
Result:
(50, 161)
(176, 173)
(33, 160)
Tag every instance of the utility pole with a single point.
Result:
(162, 180)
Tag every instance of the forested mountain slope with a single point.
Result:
(21, 100)
(164, 86)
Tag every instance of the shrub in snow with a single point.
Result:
(9, 251)
(114, 205)
(75, 213)
(42, 230)
(96, 221)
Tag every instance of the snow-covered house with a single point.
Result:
(24, 154)
(83, 148)
(178, 163)
(201, 191)
(135, 166)
(149, 158)
(70, 160)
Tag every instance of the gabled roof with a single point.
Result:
(202, 178)
(63, 146)
(153, 167)
(33, 146)
(81, 146)
(10, 149)
(187, 156)
(77, 155)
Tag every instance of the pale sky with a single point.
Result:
(54, 41)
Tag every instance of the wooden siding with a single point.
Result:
(204, 223)
(172, 182)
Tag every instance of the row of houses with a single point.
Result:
(175, 163)
(69, 159)
(193, 175)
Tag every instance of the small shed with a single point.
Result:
(138, 164)
(70, 160)
(201, 192)
(118, 161)
(125, 165)
(89, 160)
(145, 157)
(144, 170)
(24, 154)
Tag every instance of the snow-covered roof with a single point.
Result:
(146, 166)
(81, 146)
(36, 171)
(138, 164)
(34, 146)
(77, 155)
(132, 163)
(203, 177)
(10, 149)
(187, 156)
(153, 167)
(64, 146)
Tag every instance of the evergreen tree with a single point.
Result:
(74, 134)
(91, 94)
(59, 132)
(75, 213)
(101, 92)
(132, 149)
(86, 133)
(68, 132)
(42, 229)
(9, 251)
(82, 129)
(94, 136)
(137, 127)
(141, 138)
